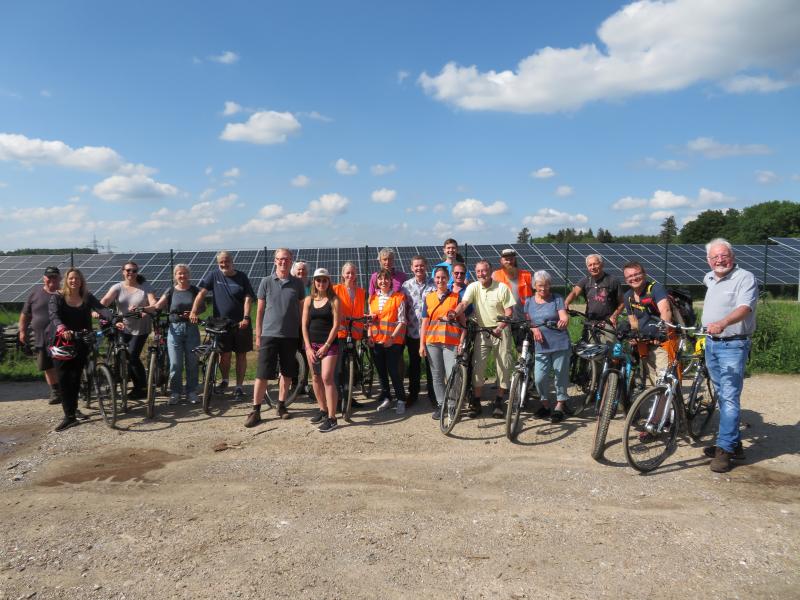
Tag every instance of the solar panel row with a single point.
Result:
(673, 265)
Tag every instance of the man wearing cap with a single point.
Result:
(277, 333)
(729, 315)
(35, 313)
(518, 281)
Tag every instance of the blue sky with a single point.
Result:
(155, 125)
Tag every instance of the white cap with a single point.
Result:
(321, 273)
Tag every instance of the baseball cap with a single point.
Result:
(321, 273)
(508, 252)
(51, 271)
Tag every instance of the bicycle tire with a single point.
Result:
(152, 384)
(122, 371)
(583, 380)
(86, 387)
(514, 408)
(347, 400)
(209, 378)
(605, 414)
(367, 372)
(454, 393)
(700, 410)
(272, 392)
(636, 385)
(106, 393)
(643, 450)
(163, 370)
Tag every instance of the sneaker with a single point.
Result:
(283, 412)
(328, 425)
(721, 463)
(738, 452)
(80, 415)
(498, 412)
(317, 418)
(193, 398)
(238, 394)
(542, 413)
(253, 419)
(474, 409)
(385, 404)
(400, 408)
(437, 414)
(222, 387)
(66, 423)
(174, 399)
(557, 416)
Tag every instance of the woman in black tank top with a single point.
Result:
(321, 317)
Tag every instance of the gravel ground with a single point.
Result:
(189, 506)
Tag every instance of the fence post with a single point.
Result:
(364, 271)
(266, 263)
(766, 257)
(71, 258)
(566, 272)
(171, 261)
(666, 262)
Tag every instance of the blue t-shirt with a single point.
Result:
(646, 310)
(554, 340)
(229, 293)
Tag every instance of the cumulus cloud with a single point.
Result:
(666, 199)
(270, 210)
(272, 217)
(383, 169)
(345, 168)
(317, 116)
(660, 215)
(471, 207)
(763, 84)
(766, 177)
(632, 221)
(551, 216)
(563, 191)
(471, 224)
(543, 173)
(300, 181)
(120, 188)
(231, 108)
(384, 196)
(46, 214)
(666, 165)
(30, 151)
(232, 173)
(329, 204)
(628, 203)
(266, 127)
(706, 196)
(228, 57)
(645, 47)
(710, 148)
(201, 214)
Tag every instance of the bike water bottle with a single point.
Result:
(525, 348)
(617, 351)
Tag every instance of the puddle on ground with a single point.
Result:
(14, 438)
(126, 464)
(768, 477)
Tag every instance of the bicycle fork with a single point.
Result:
(660, 405)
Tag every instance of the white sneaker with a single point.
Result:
(193, 399)
(385, 404)
(174, 399)
(400, 408)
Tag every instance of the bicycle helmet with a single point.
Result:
(62, 350)
(591, 351)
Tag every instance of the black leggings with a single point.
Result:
(135, 367)
(69, 380)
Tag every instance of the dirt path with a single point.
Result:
(388, 508)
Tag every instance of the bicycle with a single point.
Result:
(660, 413)
(157, 362)
(272, 393)
(584, 373)
(459, 384)
(208, 354)
(353, 365)
(96, 378)
(117, 354)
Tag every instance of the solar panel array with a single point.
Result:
(684, 264)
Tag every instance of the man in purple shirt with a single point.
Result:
(386, 260)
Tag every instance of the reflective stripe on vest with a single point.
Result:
(524, 283)
(439, 332)
(354, 310)
(387, 319)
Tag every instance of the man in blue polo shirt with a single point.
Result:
(729, 315)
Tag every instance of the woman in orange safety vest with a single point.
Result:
(387, 334)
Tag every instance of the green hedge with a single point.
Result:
(776, 342)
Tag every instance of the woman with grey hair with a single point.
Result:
(183, 335)
(552, 346)
(300, 270)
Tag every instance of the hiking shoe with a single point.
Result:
(384, 405)
(721, 463)
(193, 398)
(498, 412)
(283, 412)
(317, 418)
(738, 452)
(557, 416)
(253, 419)
(174, 399)
(66, 423)
(238, 394)
(474, 410)
(80, 415)
(400, 408)
(542, 413)
(437, 414)
(328, 425)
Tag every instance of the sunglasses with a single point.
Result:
(458, 274)
(131, 270)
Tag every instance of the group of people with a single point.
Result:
(422, 313)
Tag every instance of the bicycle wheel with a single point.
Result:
(583, 380)
(163, 371)
(646, 446)
(636, 385)
(272, 392)
(209, 378)
(701, 404)
(454, 393)
(86, 391)
(367, 372)
(106, 394)
(349, 373)
(152, 384)
(516, 400)
(122, 373)
(608, 402)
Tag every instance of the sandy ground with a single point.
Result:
(387, 507)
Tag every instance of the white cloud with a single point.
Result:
(744, 84)
(118, 188)
(766, 177)
(471, 207)
(345, 168)
(383, 169)
(266, 127)
(201, 214)
(231, 108)
(631, 222)
(136, 169)
(666, 165)
(645, 47)
(232, 173)
(228, 57)
(317, 116)
(30, 151)
(329, 204)
(706, 196)
(543, 173)
(402, 76)
(211, 238)
(384, 196)
(46, 214)
(551, 216)
(270, 210)
(629, 202)
(471, 224)
(710, 148)
(300, 181)
(666, 199)
(320, 212)
(660, 215)
(563, 191)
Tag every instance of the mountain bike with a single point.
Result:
(208, 354)
(272, 393)
(584, 370)
(660, 413)
(157, 362)
(96, 379)
(117, 356)
(353, 371)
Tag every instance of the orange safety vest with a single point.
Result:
(354, 309)
(387, 319)
(524, 283)
(439, 332)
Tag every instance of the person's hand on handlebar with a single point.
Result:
(537, 334)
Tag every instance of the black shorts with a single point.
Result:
(43, 359)
(238, 340)
(276, 350)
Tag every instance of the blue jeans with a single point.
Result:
(558, 363)
(181, 340)
(725, 362)
(441, 358)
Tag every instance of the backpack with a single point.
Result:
(680, 301)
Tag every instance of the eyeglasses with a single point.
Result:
(634, 277)
(458, 274)
(131, 270)
(322, 280)
(282, 259)
(719, 257)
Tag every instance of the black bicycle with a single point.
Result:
(522, 380)
(97, 381)
(117, 355)
(272, 393)
(157, 362)
(356, 365)
(208, 354)
(584, 371)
